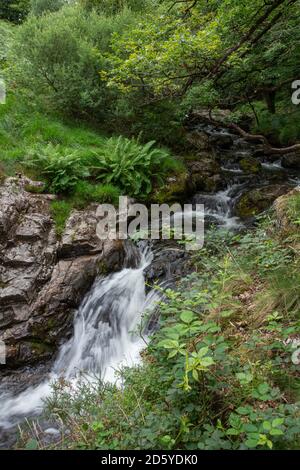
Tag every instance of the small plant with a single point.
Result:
(62, 168)
(60, 211)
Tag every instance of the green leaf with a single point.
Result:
(232, 432)
(276, 432)
(32, 444)
(267, 425)
(277, 422)
(187, 316)
(243, 411)
(263, 388)
(251, 443)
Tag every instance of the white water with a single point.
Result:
(219, 207)
(272, 166)
(105, 339)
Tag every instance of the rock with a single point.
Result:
(291, 161)
(223, 141)
(174, 189)
(257, 200)
(250, 165)
(205, 174)
(199, 139)
(285, 225)
(203, 115)
(43, 280)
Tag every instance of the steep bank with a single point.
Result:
(43, 278)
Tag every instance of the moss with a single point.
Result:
(35, 189)
(257, 200)
(39, 348)
(174, 190)
(102, 267)
(250, 165)
(245, 207)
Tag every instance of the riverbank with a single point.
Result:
(222, 372)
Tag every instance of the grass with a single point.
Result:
(84, 194)
(76, 162)
(60, 211)
(294, 208)
(22, 127)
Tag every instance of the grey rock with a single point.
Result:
(291, 161)
(42, 279)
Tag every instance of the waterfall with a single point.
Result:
(105, 338)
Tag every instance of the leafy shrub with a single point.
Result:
(14, 10)
(60, 55)
(131, 165)
(62, 168)
(112, 7)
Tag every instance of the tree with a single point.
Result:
(219, 41)
(226, 54)
(39, 7)
(14, 10)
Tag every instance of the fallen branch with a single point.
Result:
(253, 137)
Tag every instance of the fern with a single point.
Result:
(130, 165)
(61, 168)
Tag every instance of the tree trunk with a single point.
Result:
(270, 97)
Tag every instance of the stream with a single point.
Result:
(106, 327)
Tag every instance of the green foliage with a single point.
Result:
(283, 126)
(14, 10)
(131, 165)
(61, 54)
(294, 208)
(217, 374)
(113, 7)
(62, 168)
(6, 39)
(60, 211)
(39, 7)
(85, 192)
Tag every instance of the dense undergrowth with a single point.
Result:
(222, 370)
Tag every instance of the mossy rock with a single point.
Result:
(38, 188)
(175, 189)
(250, 165)
(258, 200)
(208, 184)
(205, 174)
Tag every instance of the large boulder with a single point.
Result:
(199, 139)
(221, 140)
(291, 161)
(42, 279)
(175, 188)
(286, 216)
(250, 165)
(257, 200)
(205, 173)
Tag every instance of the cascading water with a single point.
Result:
(105, 338)
(219, 206)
